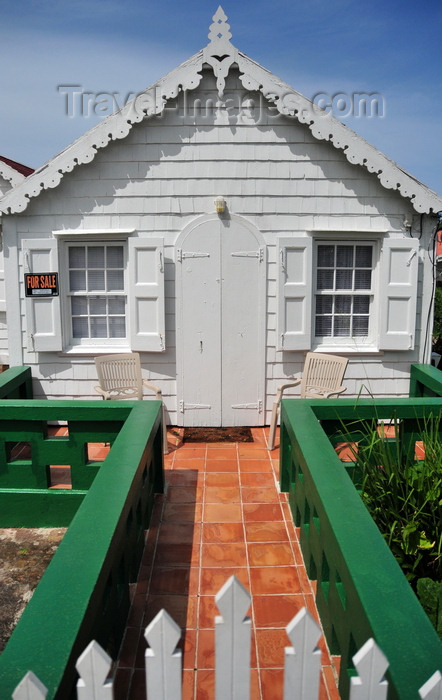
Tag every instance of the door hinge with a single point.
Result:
(249, 254)
(180, 255)
(257, 406)
(192, 406)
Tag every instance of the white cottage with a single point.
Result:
(221, 226)
(11, 174)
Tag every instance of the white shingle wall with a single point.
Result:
(166, 173)
(5, 186)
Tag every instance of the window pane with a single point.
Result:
(362, 279)
(325, 279)
(115, 256)
(77, 256)
(117, 327)
(95, 256)
(342, 326)
(344, 256)
(97, 306)
(77, 280)
(95, 280)
(344, 279)
(360, 325)
(80, 327)
(117, 305)
(364, 254)
(326, 255)
(361, 305)
(115, 280)
(79, 306)
(98, 327)
(323, 326)
(324, 304)
(343, 304)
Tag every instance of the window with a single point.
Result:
(96, 293)
(343, 291)
(111, 292)
(347, 292)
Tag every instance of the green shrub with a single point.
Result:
(404, 495)
(437, 321)
(430, 596)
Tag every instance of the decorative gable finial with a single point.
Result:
(219, 29)
(220, 53)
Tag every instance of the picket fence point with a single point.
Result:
(30, 688)
(432, 689)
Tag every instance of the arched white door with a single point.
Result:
(221, 276)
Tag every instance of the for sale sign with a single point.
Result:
(44, 284)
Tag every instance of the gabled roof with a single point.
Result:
(221, 55)
(12, 171)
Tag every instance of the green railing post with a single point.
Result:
(16, 383)
(425, 380)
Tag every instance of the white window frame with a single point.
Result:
(92, 343)
(356, 343)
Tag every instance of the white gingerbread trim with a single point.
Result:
(10, 175)
(221, 55)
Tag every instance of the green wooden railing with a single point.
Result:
(361, 591)
(425, 380)
(84, 593)
(16, 383)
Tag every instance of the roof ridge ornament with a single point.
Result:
(219, 29)
(220, 53)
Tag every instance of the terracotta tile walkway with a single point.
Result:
(221, 514)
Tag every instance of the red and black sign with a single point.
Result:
(44, 284)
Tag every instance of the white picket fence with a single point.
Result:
(302, 664)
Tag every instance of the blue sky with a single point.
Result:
(317, 46)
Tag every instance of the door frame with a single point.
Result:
(261, 302)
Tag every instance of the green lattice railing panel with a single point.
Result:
(30, 455)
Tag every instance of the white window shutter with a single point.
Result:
(43, 316)
(398, 292)
(146, 294)
(294, 293)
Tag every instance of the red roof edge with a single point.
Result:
(23, 169)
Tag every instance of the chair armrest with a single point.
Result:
(337, 392)
(104, 394)
(155, 389)
(283, 387)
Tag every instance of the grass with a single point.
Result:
(403, 494)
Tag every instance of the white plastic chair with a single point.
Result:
(321, 378)
(120, 377)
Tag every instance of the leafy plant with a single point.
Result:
(437, 320)
(430, 595)
(403, 494)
